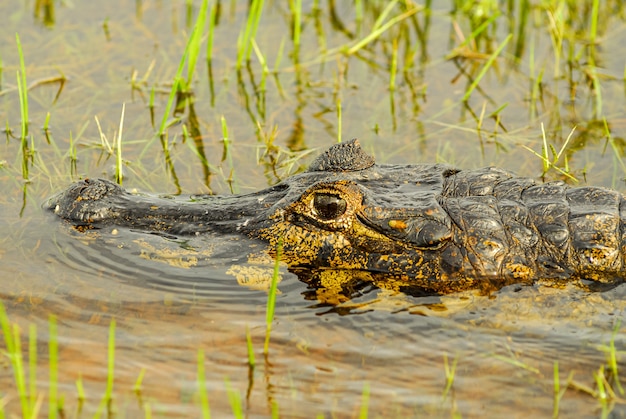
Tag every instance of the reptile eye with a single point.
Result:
(329, 206)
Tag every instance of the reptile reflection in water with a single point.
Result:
(423, 228)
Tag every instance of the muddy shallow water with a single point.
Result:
(321, 356)
(466, 353)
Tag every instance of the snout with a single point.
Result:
(86, 201)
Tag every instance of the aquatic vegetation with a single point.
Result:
(535, 87)
(608, 391)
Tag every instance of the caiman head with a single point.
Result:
(348, 213)
(426, 225)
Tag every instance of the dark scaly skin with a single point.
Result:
(428, 226)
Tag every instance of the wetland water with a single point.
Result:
(470, 354)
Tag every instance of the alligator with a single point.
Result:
(430, 226)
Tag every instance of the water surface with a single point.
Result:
(171, 297)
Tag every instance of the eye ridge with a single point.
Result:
(329, 206)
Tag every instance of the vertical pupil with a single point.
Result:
(329, 206)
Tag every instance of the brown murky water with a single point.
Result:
(172, 297)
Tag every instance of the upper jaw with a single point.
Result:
(86, 201)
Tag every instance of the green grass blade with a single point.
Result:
(80, 391)
(111, 361)
(593, 29)
(6, 330)
(271, 298)
(20, 90)
(139, 381)
(379, 31)
(32, 366)
(194, 42)
(212, 21)
(18, 369)
(14, 352)
(108, 395)
(170, 102)
(394, 65)
(480, 29)
(23, 88)
(235, 400)
(297, 22)
(202, 390)
(488, 64)
(244, 48)
(23, 136)
(258, 11)
(383, 15)
(175, 86)
(557, 390)
(339, 128)
(365, 402)
(53, 354)
(118, 149)
(358, 11)
(261, 89)
(612, 358)
(450, 372)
